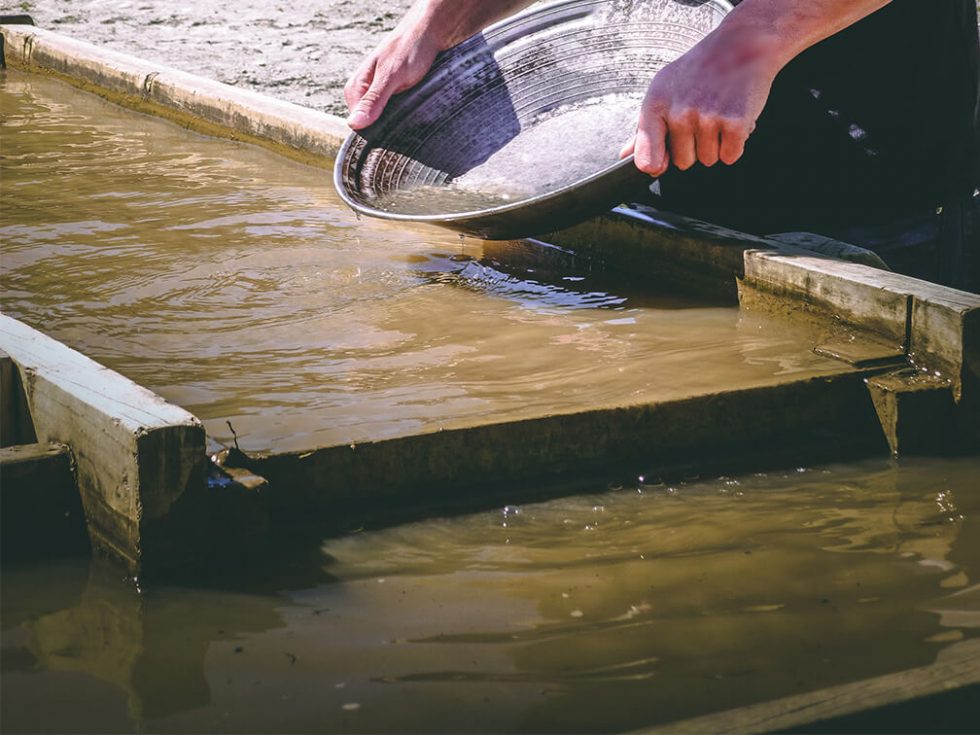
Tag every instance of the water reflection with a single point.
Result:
(236, 284)
(617, 610)
(127, 656)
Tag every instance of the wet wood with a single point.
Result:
(190, 100)
(957, 666)
(136, 455)
(40, 508)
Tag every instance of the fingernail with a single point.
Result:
(358, 119)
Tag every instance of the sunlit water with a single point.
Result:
(237, 285)
(630, 607)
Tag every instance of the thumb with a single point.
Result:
(369, 108)
(628, 149)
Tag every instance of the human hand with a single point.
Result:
(404, 57)
(704, 106)
(398, 63)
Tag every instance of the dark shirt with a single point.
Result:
(877, 121)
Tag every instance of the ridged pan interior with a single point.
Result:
(483, 95)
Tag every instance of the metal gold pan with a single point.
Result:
(481, 96)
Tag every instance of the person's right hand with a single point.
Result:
(399, 63)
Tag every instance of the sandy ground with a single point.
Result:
(298, 52)
(295, 51)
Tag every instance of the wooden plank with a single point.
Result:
(137, 456)
(8, 424)
(831, 414)
(945, 327)
(938, 327)
(196, 102)
(16, 426)
(957, 666)
(867, 298)
(40, 510)
(945, 338)
(645, 243)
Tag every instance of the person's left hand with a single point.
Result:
(704, 106)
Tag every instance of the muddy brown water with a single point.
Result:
(237, 285)
(601, 613)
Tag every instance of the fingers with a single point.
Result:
(734, 136)
(369, 107)
(708, 141)
(367, 93)
(681, 132)
(650, 145)
(359, 83)
(686, 139)
(396, 66)
(627, 150)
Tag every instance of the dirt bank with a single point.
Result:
(301, 53)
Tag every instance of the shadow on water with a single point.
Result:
(817, 630)
(84, 621)
(734, 600)
(545, 277)
(681, 629)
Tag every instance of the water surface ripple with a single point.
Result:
(237, 285)
(607, 612)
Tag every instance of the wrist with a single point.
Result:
(448, 23)
(735, 45)
(439, 23)
(422, 25)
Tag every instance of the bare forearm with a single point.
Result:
(783, 29)
(704, 106)
(453, 21)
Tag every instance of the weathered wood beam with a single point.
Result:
(140, 461)
(40, 511)
(956, 667)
